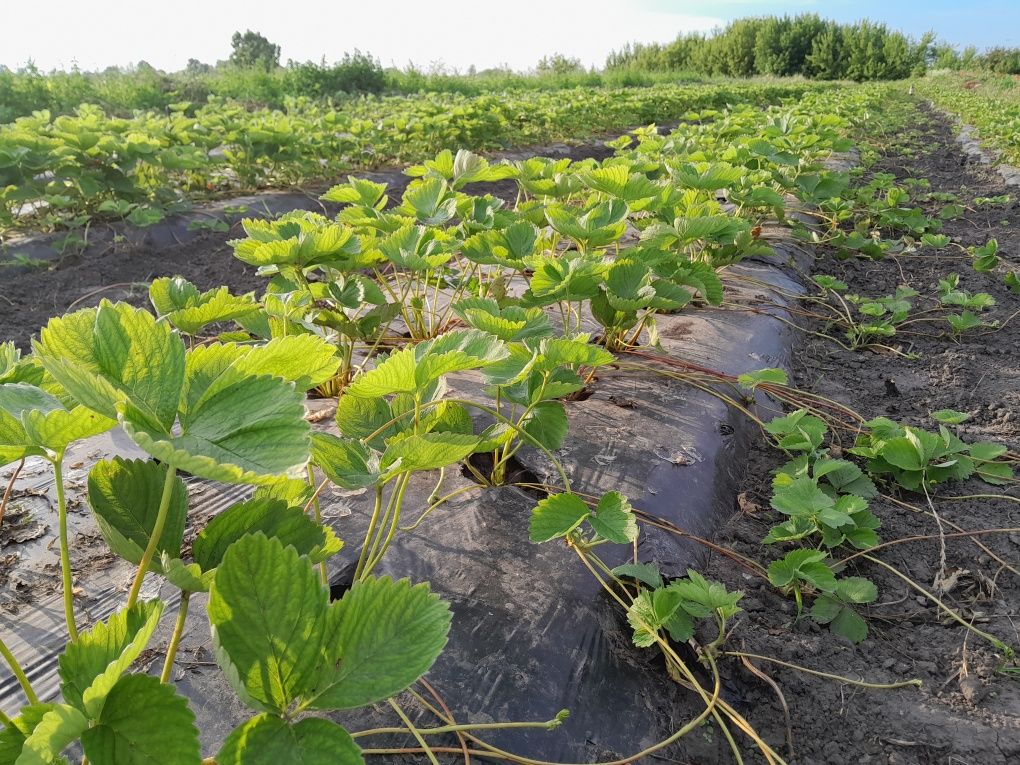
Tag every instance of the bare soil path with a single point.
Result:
(966, 711)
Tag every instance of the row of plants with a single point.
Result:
(989, 104)
(123, 90)
(377, 307)
(64, 171)
(900, 218)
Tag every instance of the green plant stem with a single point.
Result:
(496, 416)
(157, 532)
(372, 543)
(392, 531)
(498, 477)
(175, 639)
(19, 673)
(521, 432)
(372, 523)
(1009, 652)
(414, 731)
(6, 721)
(10, 489)
(691, 681)
(438, 502)
(65, 550)
(317, 511)
(490, 751)
(838, 678)
(548, 725)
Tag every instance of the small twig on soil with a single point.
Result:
(923, 537)
(827, 675)
(87, 295)
(779, 694)
(9, 489)
(938, 582)
(1007, 650)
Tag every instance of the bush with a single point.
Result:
(356, 73)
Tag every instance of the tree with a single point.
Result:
(195, 66)
(252, 50)
(559, 64)
(827, 60)
(735, 49)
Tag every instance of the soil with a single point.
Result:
(966, 711)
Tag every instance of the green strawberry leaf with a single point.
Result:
(950, 416)
(290, 525)
(59, 726)
(904, 454)
(613, 519)
(646, 573)
(92, 665)
(268, 612)
(143, 721)
(547, 424)
(427, 451)
(243, 429)
(556, 516)
(305, 360)
(186, 576)
(801, 497)
(841, 618)
(32, 420)
(651, 611)
(181, 303)
(268, 740)
(12, 737)
(383, 636)
(113, 354)
(125, 496)
(346, 462)
(359, 418)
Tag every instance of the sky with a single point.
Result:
(94, 34)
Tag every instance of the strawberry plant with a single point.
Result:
(825, 500)
(222, 412)
(950, 294)
(528, 387)
(916, 458)
(659, 613)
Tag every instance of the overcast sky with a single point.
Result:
(97, 33)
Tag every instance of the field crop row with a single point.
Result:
(988, 102)
(63, 171)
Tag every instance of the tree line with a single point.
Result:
(804, 45)
(809, 46)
